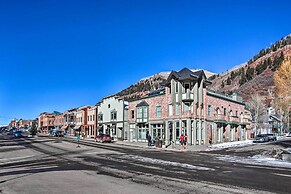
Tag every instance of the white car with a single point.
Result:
(288, 134)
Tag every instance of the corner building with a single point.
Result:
(186, 106)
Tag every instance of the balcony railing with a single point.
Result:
(221, 117)
(188, 96)
(234, 119)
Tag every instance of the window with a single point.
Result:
(236, 113)
(132, 114)
(176, 87)
(224, 111)
(142, 114)
(170, 110)
(186, 107)
(100, 117)
(139, 113)
(170, 90)
(158, 111)
(88, 118)
(186, 86)
(177, 130)
(177, 109)
(145, 112)
(113, 115)
(209, 110)
(108, 105)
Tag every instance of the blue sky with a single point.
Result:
(57, 55)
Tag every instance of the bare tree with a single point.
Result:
(258, 109)
(282, 103)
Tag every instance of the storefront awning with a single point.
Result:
(233, 123)
(77, 127)
(220, 121)
(64, 127)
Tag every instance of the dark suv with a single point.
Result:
(261, 138)
(272, 137)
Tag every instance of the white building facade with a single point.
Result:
(112, 117)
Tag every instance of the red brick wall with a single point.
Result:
(219, 103)
(153, 102)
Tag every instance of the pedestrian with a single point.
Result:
(182, 141)
(149, 140)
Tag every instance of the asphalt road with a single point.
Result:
(145, 170)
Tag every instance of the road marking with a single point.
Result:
(166, 163)
(17, 158)
(269, 168)
(286, 175)
(227, 171)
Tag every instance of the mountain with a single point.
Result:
(148, 84)
(257, 75)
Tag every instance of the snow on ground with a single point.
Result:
(230, 144)
(164, 162)
(256, 160)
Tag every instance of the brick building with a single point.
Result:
(186, 106)
(59, 121)
(81, 120)
(91, 122)
(46, 122)
(69, 121)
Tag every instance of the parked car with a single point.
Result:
(272, 137)
(18, 134)
(104, 138)
(261, 138)
(10, 132)
(56, 133)
(288, 134)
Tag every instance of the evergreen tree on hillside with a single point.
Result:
(228, 81)
(273, 48)
(261, 67)
(222, 84)
(277, 61)
(212, 77)
(249, 73)
(232, 75)
(243, 79)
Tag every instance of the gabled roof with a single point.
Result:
(186, 73)
(142, 103)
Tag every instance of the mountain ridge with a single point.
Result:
(255, 75)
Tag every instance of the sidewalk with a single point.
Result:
(176, 147)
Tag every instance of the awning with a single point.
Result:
(64, 127)
(220, 121)
(77, 127)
